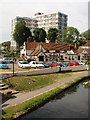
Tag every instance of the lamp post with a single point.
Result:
(13, 61)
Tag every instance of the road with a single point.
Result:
(15, 65)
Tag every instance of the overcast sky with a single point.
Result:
(77, 11)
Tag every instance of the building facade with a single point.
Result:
(47, 51)
(84, 51)
(30, 23)
(55, 51)
(53, 20)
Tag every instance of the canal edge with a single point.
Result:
(61, 87)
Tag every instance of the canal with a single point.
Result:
(73, 103)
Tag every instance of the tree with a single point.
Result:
(21, 32)
(86, 34)
(39, 35)
(52, 34)
(72, 35)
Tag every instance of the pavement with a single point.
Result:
(21, 97)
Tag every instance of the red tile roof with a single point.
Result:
(80, 50)
(47, 46)
(8, 43)
(36, 52)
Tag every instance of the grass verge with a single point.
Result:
(14, 112)
(30, 83)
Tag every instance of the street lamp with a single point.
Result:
(13, 60)
(13, 63)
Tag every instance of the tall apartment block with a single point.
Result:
(40, 20)
(53, 20)
(30, 23)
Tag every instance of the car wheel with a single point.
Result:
(36, 67)
(22, 67)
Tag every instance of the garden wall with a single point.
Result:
(41, 71)
(46, 71)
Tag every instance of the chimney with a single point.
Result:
(56, 41)
(75, 46)
(29, 39)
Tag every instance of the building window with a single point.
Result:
(62, 57)
(57, 51)
(69, 58)
(23, 55)
(72, 58)
(47, 51)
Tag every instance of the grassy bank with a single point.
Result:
(30, 83)
(13, 112)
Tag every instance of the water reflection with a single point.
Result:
(69, 91)
(72, 103)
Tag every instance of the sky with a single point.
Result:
(77, 11)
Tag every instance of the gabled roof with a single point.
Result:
(31, 45)
(47, 46)
(80, 50)
(36, 52)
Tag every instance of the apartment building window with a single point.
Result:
(60, 15)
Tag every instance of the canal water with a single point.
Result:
(73, 103)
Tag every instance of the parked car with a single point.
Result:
(73, 63)
(35, 64)
(80, 62)
(7, 60)
(62, 64)
(29, 60)
(45, 65)
(23, 64)
(3, 65)
(52, 63)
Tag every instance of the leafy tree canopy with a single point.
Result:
(21, 33)
(86, 34)
(72, 35)
(52, 34)
(39, 35)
